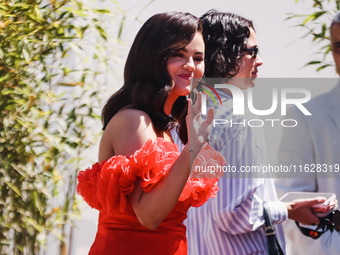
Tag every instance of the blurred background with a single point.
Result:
(61, 60)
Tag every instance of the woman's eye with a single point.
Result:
(199, 59)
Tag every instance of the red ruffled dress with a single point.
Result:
(106, 185)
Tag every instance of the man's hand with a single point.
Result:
(300, 210)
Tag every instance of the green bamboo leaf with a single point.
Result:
(293, 16)
(328, 49)
(33, 223)
(318, 14)
(77, 12)
(315, 62)
(61, 16)
(14, 188)
(37, 202)
(317, 4)
(103, 11)
(67, 37)
(309, 18)
(101, 32)
(19, 170)
(121, 26)
(323, 30)
(322, 67)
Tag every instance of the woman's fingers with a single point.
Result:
(196, 115)
(198, 127)
(205, 124)
(196, 108)
(189, 107)
(210, 115)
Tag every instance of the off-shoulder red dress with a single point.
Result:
(106, 185)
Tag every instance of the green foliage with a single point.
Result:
(51, 54)
(316, 23)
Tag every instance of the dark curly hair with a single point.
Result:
(225, 36)
(147, 82)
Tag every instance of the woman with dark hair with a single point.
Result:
(141, 186)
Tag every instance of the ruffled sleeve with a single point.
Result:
(206, 171)
(105, 186)
(153, 161)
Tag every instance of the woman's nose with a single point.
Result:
(190, 65)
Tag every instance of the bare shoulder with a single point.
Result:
(130, 115)
(126, 132)
(129, 121)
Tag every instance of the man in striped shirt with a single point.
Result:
(232, 223)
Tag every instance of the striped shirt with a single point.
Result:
(232, 223)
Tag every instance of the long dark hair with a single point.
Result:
(225, 37)
(147, 82)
